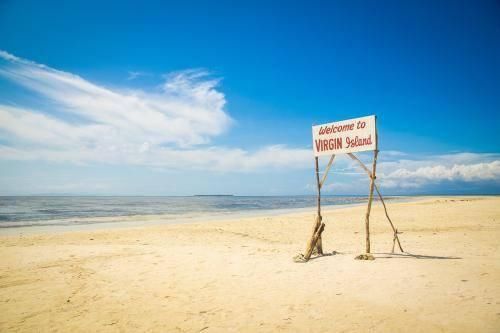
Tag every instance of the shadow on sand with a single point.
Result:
(407, 255)
(404, 255)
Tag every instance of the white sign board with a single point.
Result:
(346, 136)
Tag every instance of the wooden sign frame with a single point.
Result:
(315, 242)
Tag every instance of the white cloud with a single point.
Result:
(187, 111)
(426, 170)
(206, 158)
(170, 126)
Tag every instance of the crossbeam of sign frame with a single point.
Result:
(346, 137)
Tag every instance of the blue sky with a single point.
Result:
(183, 98)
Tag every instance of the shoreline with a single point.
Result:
(141, 220)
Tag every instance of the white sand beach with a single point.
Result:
(239, 275)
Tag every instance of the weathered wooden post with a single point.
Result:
(369, 207)
(318, 227)
(319, 243)
(370, 196)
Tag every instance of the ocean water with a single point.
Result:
(66, 210)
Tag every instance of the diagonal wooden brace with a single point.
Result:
(325, 174)
(394, 229)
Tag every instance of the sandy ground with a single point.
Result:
(239, 275)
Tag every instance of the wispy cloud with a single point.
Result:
(170, 126)
(187, 110)
(132, 75)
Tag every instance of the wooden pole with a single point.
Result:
(319, 243)
(325, 174)
(370, 197)
(318, 229)
(351, 155)
(315, 241)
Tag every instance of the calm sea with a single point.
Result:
(66, 210)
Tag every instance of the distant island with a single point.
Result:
(213, 195)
